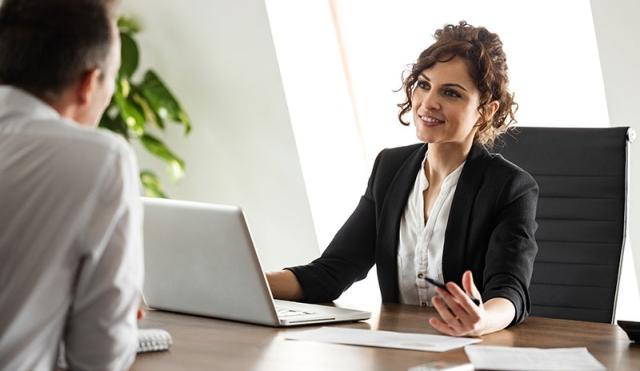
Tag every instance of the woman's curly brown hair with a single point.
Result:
(487, 65)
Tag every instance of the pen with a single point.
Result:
(442, 286)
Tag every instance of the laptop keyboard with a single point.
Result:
(288, 313)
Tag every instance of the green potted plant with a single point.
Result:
(141, 108)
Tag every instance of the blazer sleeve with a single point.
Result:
(349, 256)
(512, 246)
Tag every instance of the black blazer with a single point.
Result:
(490, 230)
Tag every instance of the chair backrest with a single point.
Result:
(582, 174)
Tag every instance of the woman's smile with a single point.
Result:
(430, 120)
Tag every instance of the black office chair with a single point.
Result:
(582, 174)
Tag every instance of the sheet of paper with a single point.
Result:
(382, 339)
(511, 358)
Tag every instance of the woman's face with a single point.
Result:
(445, 104)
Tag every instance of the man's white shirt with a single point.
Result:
(71, 257)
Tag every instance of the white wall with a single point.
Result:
(219, 59)
(618, 33)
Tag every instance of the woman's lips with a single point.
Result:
(430, 120)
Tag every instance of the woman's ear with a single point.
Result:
(490, 110)
(87, 86)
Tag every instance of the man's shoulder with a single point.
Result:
(86, 152)
(100, 139)
(87, 142)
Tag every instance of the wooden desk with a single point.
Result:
(209, 344)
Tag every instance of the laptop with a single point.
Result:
(200, 259)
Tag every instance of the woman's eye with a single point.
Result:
(423, 84)
(451, 93)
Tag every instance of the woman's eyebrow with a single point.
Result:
(455, 85)
(451, 84)
(425, 77)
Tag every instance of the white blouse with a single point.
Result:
(420, 246)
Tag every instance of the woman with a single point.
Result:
(446, 208)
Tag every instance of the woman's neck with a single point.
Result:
(443, 159)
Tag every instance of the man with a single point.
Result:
(70, 216)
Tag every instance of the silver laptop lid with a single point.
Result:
(200, 259)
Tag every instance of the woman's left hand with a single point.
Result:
(459, 316)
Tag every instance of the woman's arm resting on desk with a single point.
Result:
(461, 317)
(284, 285)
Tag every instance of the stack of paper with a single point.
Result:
(509, 358)
(382, 339)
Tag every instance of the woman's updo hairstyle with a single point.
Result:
(487, 63)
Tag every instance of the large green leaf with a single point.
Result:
(130, 111)
(129, 55)
(151, 184)
(128, 25)
(162, 100)
(134, 106)
(149, 113)
(160, 150)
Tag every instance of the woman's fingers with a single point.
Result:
(463, 300)
(442, 327)
(454, 317)
(447, 315)
(459, 314)
(470, 286)
(459, 304)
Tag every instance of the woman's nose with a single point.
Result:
(429, 101)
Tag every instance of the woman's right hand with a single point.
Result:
(284, 285)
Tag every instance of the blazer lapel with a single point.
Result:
(455, 239)
(389, 224)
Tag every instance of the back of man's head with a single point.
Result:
(47, 45)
